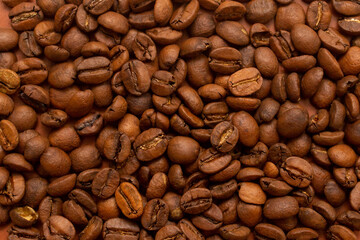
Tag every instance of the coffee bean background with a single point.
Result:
(67, 139)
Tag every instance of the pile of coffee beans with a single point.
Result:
(170, 120)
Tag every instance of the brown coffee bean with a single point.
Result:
(13, 191)
(333, 40)
(245, 82)
(155, 215)
(340, 232)
(318, 15)
(349, 219)
(233, 32)
(269, 231)
(349, 25)
(28, 45)
(289, 15)
(281, 207)
(17, 162)
(224, 137)
(251, 193)
(325, 94)
(211, 161)
(275, 187)
(9, 137)
(164, 35)
(230, 11)
(247, 127)
(96, 8)
(58, 225)
(302, 232)
(31, 70)
(105, 183)
(297, 172)
(309, 45)
(184, 15)
(234, 231)
(260, 11)
(129, 200)
(7, 59)
(25, 16)
(196, 200)
(9, 80)
(349, 61)
(225, 60)
(329, 63)
(23, 216)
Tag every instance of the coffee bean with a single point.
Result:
(92, 230)
(119, 227)
(58, 225)
(105, 183)
(234, 231)
(23, 216)
(269, 231)
(245, 82)
(196, 201)
(129, 200)
(318, 15)
(155, 215)
(25, 16)
(9, 80)
(31, 233)
(296, 172)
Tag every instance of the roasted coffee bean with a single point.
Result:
(267, 230)
(245, 82)
(92, 230)
(225, 60)
(13, 191)
(64, 17)
(233, 32)
(56, 53)
(23, 216)
(94, 70)
(349, 25)
(9, 39)
(212, 161)
(183, 16)
(58, 226)
(196, 201)
(28, 44)
(224, 137)
(9, 137)
(329, 63)
(155, 214)
(9, 81)
(289, 15)
(234, 231)
(7, 59)
(85, 178)
(150, 144)
(318, 15)
(340, 232)
(30, 233)
(97, 7)
(129, 200)
(25, 16)
(333, 40)
(118, 227)
(105, 183)
(260, 11)
(31, 70)
(349, 219)
(297, 172)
